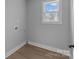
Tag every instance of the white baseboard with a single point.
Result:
(15, 49)
(64, 52)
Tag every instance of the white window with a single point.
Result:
(51, 12)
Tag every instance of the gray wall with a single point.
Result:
(15, 16)
(26, 15)
(55, 35)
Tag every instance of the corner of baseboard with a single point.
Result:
(15, 49)
(64, 52)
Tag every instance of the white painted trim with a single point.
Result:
(64, 52)
(15, 49)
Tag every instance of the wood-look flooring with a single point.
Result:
(33, 52)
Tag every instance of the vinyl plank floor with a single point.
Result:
(16, 56)
(32, 52)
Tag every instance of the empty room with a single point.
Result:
(39, 29)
